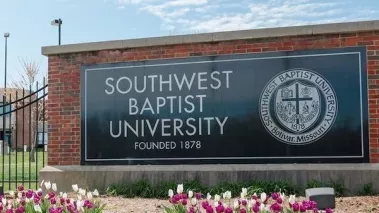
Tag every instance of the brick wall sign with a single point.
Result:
(298, 106)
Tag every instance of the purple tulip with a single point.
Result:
(36, 200)
(210, 209)
(20, 188)
(220, 208)
(39, 193)
(184, 202)
(20, 209)
(307, 205)
(53, 201)
(205, 204)
(256, 208)
(191, 210)
(279, 200)
(275, 207)
(243, 211)
(51, 195)
(303, 208)
(296, 207)
(184, 196)
(244, 202)
(328, 210)
(1, 207)
(9, 211)
(90, 205)
(29, 194)
(228, 210)
(274, 195)
(198, 196)
(176, 198)
(22, 202)
(313, 204)
(254, 197)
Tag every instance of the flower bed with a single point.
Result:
(276, 202)
(29, 201)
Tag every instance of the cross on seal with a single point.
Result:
(297, 100)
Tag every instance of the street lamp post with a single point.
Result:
(6, 36)
(58, 22)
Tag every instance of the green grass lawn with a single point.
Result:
(18, 167)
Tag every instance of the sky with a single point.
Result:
(28, 22)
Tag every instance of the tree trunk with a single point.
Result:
(32, 153)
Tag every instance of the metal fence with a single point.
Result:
(23, 136)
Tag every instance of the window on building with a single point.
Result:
(42, 138)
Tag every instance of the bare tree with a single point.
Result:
(28, 80)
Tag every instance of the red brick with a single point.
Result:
(254, 50)
(269, 49)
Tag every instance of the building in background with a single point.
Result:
(20, 125)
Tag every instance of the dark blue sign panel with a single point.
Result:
(283, 107)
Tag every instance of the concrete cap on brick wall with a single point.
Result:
(215, 37)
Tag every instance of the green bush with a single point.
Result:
(144, 189)
(367, 190)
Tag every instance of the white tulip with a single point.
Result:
(54, 187)
(170, 193)
(48, 185)
(209, 196)
(242, 195)
(283, 196)
(27, 200)
(236, 204)
(75, 187)
(194, 201)
(292, 199)
(37, 208)
(80, 197)
(46, 196)
(253, 202)
(79, 203)
(249, 204)
(228, 194)
(39, 190)
(19, 195)
(64, 196)
(96, 193)
(262, 207)
(216, 204)
(4, 201)
(89, 196)
(217, 198)
(43, 181)
(263, 197)
(190, 194)
(244, 191)
(11, 193)
(82, 192)
(180, 189)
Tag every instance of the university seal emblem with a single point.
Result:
(298, 106)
